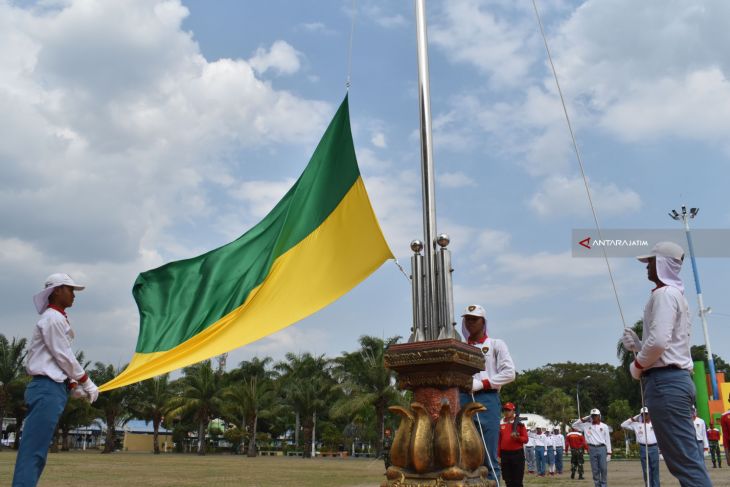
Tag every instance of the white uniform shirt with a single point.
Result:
(530, 440)
(666, 337)
(499, 368)
(701, 431)
(540, 439)
(596, 434)
(558, 440)
(50, 351)
(637, 427)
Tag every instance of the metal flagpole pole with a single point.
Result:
(427, 179)
(685, 216)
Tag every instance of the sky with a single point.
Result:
(140, 132)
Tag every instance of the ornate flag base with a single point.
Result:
(437, 443)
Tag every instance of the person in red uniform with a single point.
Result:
(713, 437)
(576, 443)
(511, 451)
(725, 424)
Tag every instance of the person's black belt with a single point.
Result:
(666, 367)
(650, 444)
(594, 446)
(487, 391)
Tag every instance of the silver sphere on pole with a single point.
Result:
(443, 240)
(416, 246)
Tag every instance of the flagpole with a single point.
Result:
(427, 177)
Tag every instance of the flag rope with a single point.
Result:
(593, 210)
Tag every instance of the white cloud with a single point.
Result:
(471, 33)
(281, 57)
(378, 140)
(382, 18)
(262, 196)
(560, 196)
(396, 202)
(317, 27)
(455, 180)
(119, 138)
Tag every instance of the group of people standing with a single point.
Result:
(662, 366)
(544, 452)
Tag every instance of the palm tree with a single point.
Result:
(250, 396)
(306, 385)
(12, 355)
(200, 396)
(152, 401)
(366, 383)
(112, 406)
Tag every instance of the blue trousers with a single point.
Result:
(669, 395)
(559, 459)
(489, 421)
(653, 464)
(530, 458)
(701, 450)
(599, 465)
(540, 459)
(551, 458)
(45, 399)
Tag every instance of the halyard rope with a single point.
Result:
(593, 209)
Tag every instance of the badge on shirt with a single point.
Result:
(485, 350)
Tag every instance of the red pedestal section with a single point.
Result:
(432, 398)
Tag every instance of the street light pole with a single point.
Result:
(685, 216)
(577, 394)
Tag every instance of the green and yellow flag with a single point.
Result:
(319, 242)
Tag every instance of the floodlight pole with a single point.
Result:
(685, 217)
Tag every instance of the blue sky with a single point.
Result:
(139, 134)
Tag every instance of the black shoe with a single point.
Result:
(581, 478)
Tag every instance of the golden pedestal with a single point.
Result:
(437, 443)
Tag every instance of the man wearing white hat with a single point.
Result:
(498, 371)
(598, 439)
(645, 437)
(54, 369)
(663, 364)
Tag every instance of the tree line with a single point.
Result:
(324, 403)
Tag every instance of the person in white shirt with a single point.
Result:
(663, 364)
(530, 453)
(54, 370)
(550, 450)
(540, 449)
(599, 445)
(701, 434)
(559, 443)
(499, 370)
(645, 437)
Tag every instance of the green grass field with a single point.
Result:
(92, 469)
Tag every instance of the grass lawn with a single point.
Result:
(91, 469)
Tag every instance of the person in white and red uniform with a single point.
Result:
(498, 371)
(599, 445)
(55, 371)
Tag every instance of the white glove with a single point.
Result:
(79, 393)
(635, 371)
(476, 385)
(608, 457)
(90, 389)
(631, 340)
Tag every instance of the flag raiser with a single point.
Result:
(318, 243)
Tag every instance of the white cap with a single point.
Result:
(474, 310)
(595, 411)
(52, 282)
(644, 410)
(666, 249)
